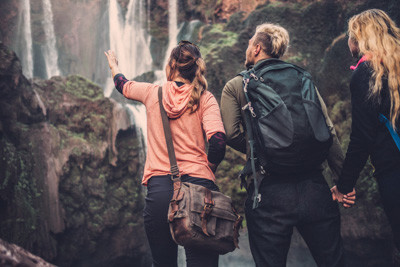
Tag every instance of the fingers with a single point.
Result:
(348, 201)
(352, 193)
(111, 58)
(347, 205)
(110, 55)
(349, 197)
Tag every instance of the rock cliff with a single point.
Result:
(69, 171)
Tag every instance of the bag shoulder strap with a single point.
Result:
(393, 133)
(208, 201)
(172, 160)
(168, 137)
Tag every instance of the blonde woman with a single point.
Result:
(194, 114)
(375, 88)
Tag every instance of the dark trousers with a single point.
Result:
(286, 203)
(163, 248)
(389, 188)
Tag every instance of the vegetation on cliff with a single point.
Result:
(69, 171)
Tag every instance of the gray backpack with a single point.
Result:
(287, 129)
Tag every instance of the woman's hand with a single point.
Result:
(112, 59)
(347, 200)
(112, 62)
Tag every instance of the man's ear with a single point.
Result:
(257, 50)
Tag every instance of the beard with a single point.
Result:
(248, 63)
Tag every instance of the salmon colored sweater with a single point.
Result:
(189, 130)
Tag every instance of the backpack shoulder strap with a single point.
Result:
(245, 74)
(249, 115)
(393, 133)
(283, 65)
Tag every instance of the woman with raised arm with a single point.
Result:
(375, 89)
(194, 114)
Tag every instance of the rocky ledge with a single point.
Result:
(70, 171)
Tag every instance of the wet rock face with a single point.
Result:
(13, 255)
(69, 171)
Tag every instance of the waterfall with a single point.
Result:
(148, 15)
(49, 50)
(40, 102)
(137, 114)
(172, 27)
(187, 29)
(173, 32)
(23, 45)
(129, 38)
(130, 41)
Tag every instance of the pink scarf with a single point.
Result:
(364, 58)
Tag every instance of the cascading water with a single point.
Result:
(173, 32)
(172, 27)
(130, 41)
(49, 49)
(23, 46)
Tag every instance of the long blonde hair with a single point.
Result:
(186, 59)
(378, 37)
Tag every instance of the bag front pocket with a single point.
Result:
(276, 127)
(317, 120)
(221, 220)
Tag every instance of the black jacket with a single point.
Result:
(369, 137)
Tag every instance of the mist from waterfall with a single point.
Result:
(130, 40)
(24, 32)
(173, 32)
(172, 28)
(50, 49)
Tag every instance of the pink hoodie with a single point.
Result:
(189, 130)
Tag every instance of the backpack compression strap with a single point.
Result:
(248, 119)
(393, 133)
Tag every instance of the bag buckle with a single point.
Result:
(207, 209)
(254, 76)
(208, 206)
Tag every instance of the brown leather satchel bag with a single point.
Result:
(197, 216)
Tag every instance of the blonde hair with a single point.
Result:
(186, 59)
(273, 39)
(378, 37)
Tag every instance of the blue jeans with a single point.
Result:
(286, 203)
(163, 248)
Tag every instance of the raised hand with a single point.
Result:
(111, 58)
(112, 62)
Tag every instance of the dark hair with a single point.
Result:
(186, 59)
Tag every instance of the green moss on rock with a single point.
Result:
(83, 88)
